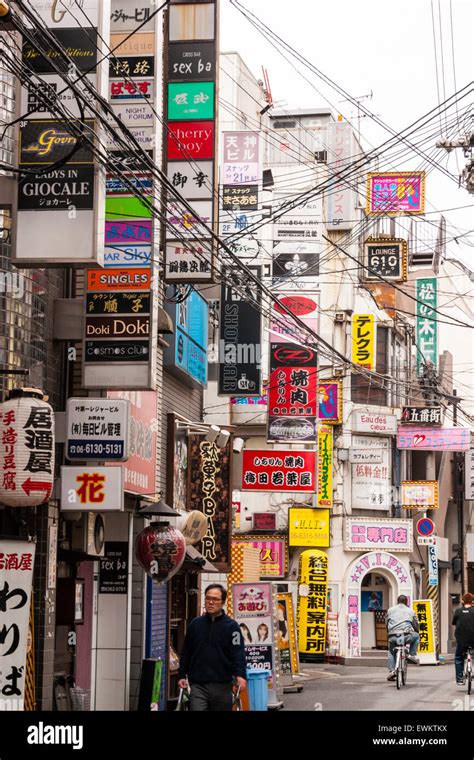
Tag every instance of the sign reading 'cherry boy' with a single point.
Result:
(269, 470)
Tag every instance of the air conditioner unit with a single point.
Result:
(88, 535)
(338, 371)
(340, 316)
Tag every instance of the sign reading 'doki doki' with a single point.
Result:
(97, 429)
(363, 340)
(26, 452)
(140, 468)
(400, 193)
(268, 470)
(16, 578)
(92, 489)
(434, 439)
(292, 407)
(378, 533)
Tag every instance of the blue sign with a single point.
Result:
(127, 256)
(425, 526)
(432, 566)
(187, 352)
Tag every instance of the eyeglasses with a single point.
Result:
(212, 599)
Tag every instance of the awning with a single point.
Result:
(195, 561)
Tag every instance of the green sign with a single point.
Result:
(426, 324)
(191, 100)
(126, 207)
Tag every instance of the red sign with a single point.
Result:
(140, 468)
(292, 408)
(269, 470)
(190, 139)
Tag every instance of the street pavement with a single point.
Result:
(339, 687)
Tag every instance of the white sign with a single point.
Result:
(134, 114)
(97, 428)
(426, 540)
(340, 201)
(432, 566)
(373, 422)
(193, 179)
(16, 577)
(53, 88)
(362, 533)
(92, 489)
(304, 222)
(128, 256)
(357, 456)
(68, 14)
(371, 483)
(469, 475)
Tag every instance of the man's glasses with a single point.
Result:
(212, 599)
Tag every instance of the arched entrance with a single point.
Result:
(381, 569)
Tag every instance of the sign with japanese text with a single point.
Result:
(186, 355)
(341, 199)
(127, 15)
(124, 233)
(194, 180)
(118, 279)
(59, 189)
(325, 464)
(131, 67)
(209, 492)
(361, 456)
(26, 452)
(421, 415)
(97, 429)
(273, 554)
(312, 604)
(469, 475)
(267, 470)
(190, 100)
(253, 609)
(140, 467)
(240, 197)
(426, 324)
(364, 533)
(92, 489)
(387, 259)
(191, 61)
(264, 521)
(434, 439)
(138, 90)
(189, 261)
(113, 568)
(16, 579)
(419, 494)
(292, 393)
(240, 371)
(183, 223)
(330, 402)
(296, 222)
(371, 483)
(427, 646)
(374, 422)
(241, 158)
(363, 340)
(304, 306)
(400, 193)
(118, 303)
(308, 527)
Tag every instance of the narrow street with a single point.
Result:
(339, 687)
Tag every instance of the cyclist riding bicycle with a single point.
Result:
(464, 621)
(402, 619)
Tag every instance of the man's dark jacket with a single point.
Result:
(464, 621)
(213, 650)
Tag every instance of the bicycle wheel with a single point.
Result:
(404, 669)
(469, 679)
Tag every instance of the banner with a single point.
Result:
(312, 604)
(325, 465)
(363, 340)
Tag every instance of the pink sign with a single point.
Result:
(126, 232)
(434, 439)
(304, 306)
(241, 161)
(373, 533)
(398, 193)
(140, 468)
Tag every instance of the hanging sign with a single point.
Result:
(241, 158)
(190, 139)
(268, 470)
(97, 429)
(191, 100)
(304, 306)
(92, 489)
(325, 465)
(312, 604)
(140, 467)
(191, 61)
(434, 439)
(421, 415)
(420, 494)
(395, 194)
(308, 527)
(387, 259)
(364, 533)
(426, 324)
(330, 402)
(363, 340)
(292, 406)
(113, 568)
(240, 198)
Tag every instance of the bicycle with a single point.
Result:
(401, 662)
(468, 669)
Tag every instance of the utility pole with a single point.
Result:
(467, 144)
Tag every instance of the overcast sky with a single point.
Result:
(375, 47)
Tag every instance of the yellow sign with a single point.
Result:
(312, 604)
(308, 527)
(363, 340)
(325, 466)
(424, 612)
(286, 635)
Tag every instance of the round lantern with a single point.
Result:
(26, 449)
(193, 525)
(160, 550)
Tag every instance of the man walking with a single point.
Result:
(402, 619)
(213, 653)
(464, 621)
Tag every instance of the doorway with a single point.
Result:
(376, 598)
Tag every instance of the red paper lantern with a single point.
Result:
(160, 550)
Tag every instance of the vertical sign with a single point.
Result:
(432, 566)
(426, 324)
(292, 393)
(312, 604)
(16, 578)
(340, 200)
(325, 463)
(191, 124)
(427, 647)
(363, 340)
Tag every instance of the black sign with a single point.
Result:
(291, 355)
(240, 197)
(287, 266)
(240, 338)
(59, 189)
(113, 571)
(46, 141)
(132, 66)
(385, 258)
(117, 351)
(80, 45)
(191, 61)
(118, 303)
(421, 415)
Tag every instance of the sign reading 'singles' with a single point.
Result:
(194, 61)
(240, 340)
(79, 44)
